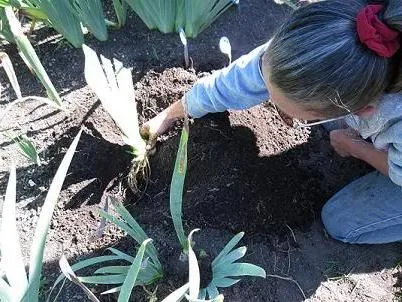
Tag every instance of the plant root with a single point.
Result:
(138, 177)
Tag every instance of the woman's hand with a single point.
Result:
(346, 141)
(161, 123)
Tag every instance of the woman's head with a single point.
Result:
(317, 60)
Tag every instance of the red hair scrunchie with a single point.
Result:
(375, 34)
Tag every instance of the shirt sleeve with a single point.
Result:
(391, 140)
(238, 86)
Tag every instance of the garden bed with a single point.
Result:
(247, 171)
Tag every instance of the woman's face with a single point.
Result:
(292, 109)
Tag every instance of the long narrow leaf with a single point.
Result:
(30, 57)
(177, 187)
(108, 279)
(5, 291)
(8, 67)
(240, 269)
(38, 244)
(231, 257)
(86, 263)
(62, 19)
(90, 13)
(228, 247)
(193, 269)
(177, 295)
(12, 259)
(122, 211)
(129, 282)
(70, 275)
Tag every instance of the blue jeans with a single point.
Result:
(368, 210)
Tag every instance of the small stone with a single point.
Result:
(31, 183)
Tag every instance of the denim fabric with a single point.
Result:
(368, 210)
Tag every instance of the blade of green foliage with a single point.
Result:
(239, 269)
(5, 31)
(114, 270)
(9, 69)
(27, 148)
(200, 14)
(121, 254)
(142, 236)
(212, 290)
(177, 295)
(228, 247)
(193, 269)
(70, 275)
(111, 291)
(62, 19)
(129, 282)
(5, 291)
(169, 15)
(231, 257)
(107, 279)
(120, 8)
(30, 57)
(202, 294)
(86, 263)
(90, 13)
(39, 240)
(133, 233)
(225, 282)
(176, 188)
(11, 255)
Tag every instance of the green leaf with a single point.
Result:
(122, 255)
(39, 240)
(5, 291)
(225, 282)
(30, 57)
(27, 148)
(231, 257)
(90, 13)
(88, 262)
(11, 255)
(228, 247)
(239, 269)
(129, 282)
(107, 279)
(9, 69)
(177, 187)
(111, 291)
(122, 211)
(70, 275)
(212, 290)
(114, 270)
(168, 15)
(193, 269)
(177, 295)
(62, 19)
(120, 8)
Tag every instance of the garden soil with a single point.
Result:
(247, 171)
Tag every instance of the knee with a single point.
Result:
(338, 224)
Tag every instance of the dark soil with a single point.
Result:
(247, 170)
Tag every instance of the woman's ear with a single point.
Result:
(367, 111)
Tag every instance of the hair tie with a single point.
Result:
(375, 34)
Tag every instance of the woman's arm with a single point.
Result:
(238, 86)
(347, 142)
